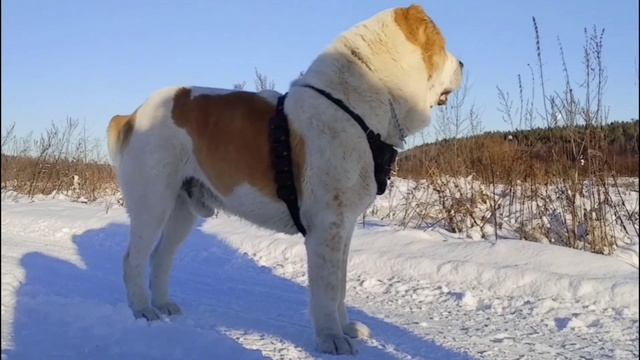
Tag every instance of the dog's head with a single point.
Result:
(442, 71)
(397, 56)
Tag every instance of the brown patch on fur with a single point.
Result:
(230, 135)
(120, 130)
(420, 30)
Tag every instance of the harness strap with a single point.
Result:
(384, 155)
(339, 103)
(282, 164)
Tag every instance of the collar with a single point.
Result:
(401, 133)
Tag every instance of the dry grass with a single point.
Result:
(62, 160)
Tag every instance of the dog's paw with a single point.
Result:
(148, 313)
(168, 308)
(336, 344)
(356, 330)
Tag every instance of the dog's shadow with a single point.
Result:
(232, 307)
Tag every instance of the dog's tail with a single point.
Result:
(118, 134)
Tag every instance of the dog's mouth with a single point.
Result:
(444, 96)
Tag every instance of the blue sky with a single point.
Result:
(93, 59)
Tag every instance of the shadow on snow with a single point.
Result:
(71, 312)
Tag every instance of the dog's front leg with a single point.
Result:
(353, 329)
(325, 245)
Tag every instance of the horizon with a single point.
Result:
(94, 60)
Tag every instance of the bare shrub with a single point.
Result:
(262, 82)
(61, 160)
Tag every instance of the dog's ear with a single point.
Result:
(419, 29)
(413, 22)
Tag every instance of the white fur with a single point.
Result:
(337, 183)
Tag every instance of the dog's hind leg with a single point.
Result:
(176, 230)
(150, 199)
(146, 227)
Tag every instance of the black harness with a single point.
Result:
(384, 155)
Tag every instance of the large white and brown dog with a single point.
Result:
(190, 150)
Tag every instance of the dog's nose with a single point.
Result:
(461, 64)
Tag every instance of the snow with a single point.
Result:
(539, 214)
(424, 294)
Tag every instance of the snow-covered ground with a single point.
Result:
(540, 214)
(424, 294)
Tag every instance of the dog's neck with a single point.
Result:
(380, 116)
(377, 73)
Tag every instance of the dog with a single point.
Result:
(189, 151)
